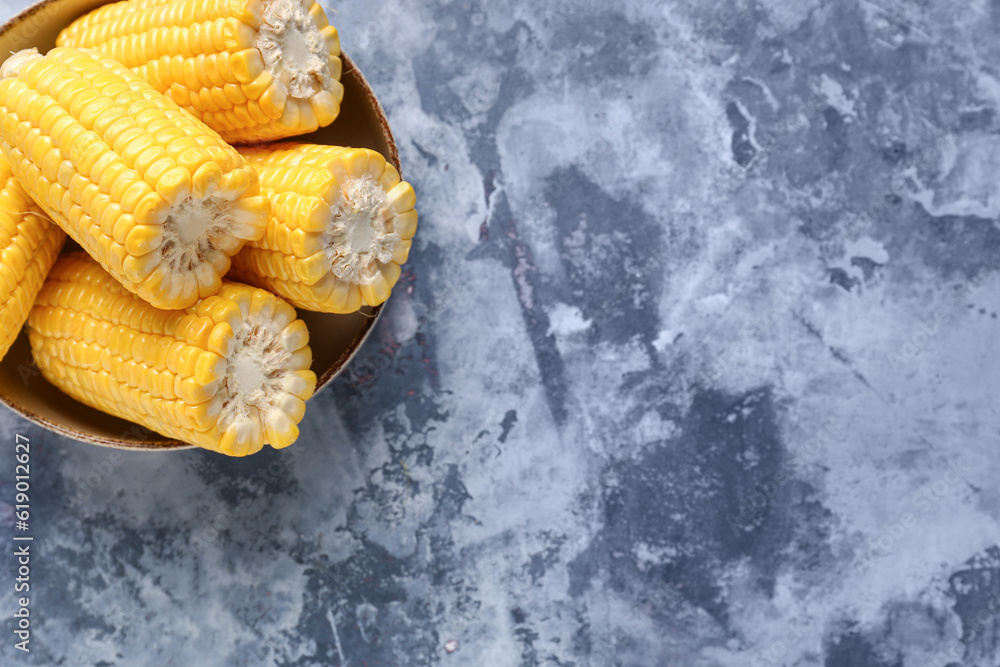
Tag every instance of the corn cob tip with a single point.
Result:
(195, 240)
(253, 70)
(229, 374)
(359, 236)
(12, 66)
(294, 48)
(267, 376)
(342, 226)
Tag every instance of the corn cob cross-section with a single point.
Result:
(29, 244)
(160, 200)
(341, 226)
(229, 373)
(254, 70)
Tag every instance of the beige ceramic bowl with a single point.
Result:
(334, 338)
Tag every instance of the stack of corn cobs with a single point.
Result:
(178, 314)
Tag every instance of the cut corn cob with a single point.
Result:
(229, 373)
(254, 70)
(155, 196)
(29, 244)
(341, 226)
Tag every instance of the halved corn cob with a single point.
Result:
(341, 225)
(155, 196)
(254, 70)
(29, 244)
(229, 373)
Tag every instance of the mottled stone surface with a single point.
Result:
(694, 364)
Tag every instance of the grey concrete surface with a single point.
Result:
(694, 365)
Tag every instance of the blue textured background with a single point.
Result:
(693, 365)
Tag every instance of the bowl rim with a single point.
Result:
(159, 442)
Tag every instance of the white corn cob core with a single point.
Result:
(266, 372)
(294, 50)
(356, 239)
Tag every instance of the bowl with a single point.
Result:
(334, 338)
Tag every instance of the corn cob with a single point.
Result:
(229, 373)
(253, 70)
(155, 196)
(341, 226)
(29, 244)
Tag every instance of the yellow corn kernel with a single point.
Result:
(341, 225)
(230, 373)
(253, 70)
(29, 244)
(151, 195)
